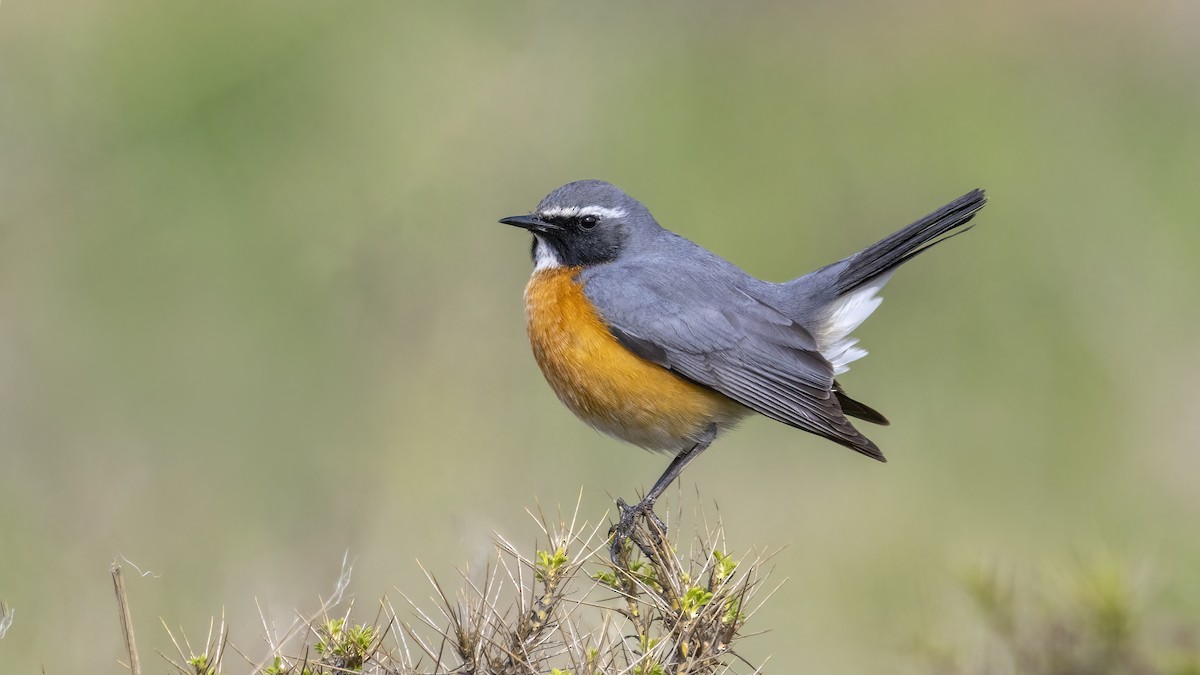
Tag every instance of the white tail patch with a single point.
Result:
(843, 316)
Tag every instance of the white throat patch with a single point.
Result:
(544, 257)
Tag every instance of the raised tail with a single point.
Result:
(898, 248)
(837, 298)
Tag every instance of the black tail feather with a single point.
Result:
(899, 248)
(857, 409)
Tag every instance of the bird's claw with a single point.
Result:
(626, 525)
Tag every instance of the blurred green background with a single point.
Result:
(255, 309)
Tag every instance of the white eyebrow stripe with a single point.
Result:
(572, 211)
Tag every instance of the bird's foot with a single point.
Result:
(626, 529)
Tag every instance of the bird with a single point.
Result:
(651, 338)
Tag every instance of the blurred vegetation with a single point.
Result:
(1092, 621)
(255, 309)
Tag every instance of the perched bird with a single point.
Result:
(650, 338)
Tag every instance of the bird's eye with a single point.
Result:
(588, 222)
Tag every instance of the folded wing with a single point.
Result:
(724, 338)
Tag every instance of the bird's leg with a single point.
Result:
(645, 508)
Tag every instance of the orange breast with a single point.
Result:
(605, 384)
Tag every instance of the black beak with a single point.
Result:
(528, 222)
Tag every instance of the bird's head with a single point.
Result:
(588, 222)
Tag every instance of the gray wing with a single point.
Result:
(714, 332)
